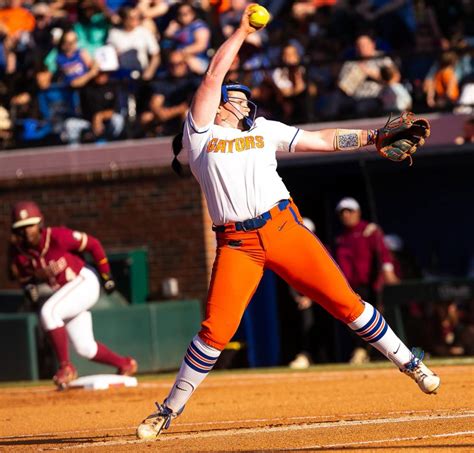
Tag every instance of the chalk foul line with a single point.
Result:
(276, 429)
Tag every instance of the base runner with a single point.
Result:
(51, 255)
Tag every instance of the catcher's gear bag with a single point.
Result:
(402, 136)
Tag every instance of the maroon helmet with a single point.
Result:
(26, 213)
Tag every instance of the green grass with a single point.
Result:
(435, 362)
(13, 384)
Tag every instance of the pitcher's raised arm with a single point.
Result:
(207, 98)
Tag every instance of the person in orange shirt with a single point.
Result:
(221, 6)
(14, 19)
(446, 83)
(444, 89)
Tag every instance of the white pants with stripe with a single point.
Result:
(70, 306)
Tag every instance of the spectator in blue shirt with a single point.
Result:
(191, 36)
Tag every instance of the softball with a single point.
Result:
(259, 17)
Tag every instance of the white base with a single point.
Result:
(103, 382)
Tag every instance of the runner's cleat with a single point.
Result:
(428, 381)
(129, 368)
(65, 374)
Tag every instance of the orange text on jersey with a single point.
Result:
(238, 144)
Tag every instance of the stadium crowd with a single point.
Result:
(79, 71)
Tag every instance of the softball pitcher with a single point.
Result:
(258, 226)
(50, 255)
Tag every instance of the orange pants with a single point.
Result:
(286, 247)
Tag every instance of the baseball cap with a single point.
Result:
(26, 213)
(348, 203)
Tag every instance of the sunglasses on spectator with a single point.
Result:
(177, 63)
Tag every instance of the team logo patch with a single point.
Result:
(77, 235)
(239, 144)
(23, 214)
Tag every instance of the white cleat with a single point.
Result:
(359, 356)
(428, 381)
(301, 362)
(151, 427)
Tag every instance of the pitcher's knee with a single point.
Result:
(88, 349)
(217, 340)
(217, 334)
(350, 312)
(346, 307)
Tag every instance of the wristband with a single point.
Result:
(372, 136)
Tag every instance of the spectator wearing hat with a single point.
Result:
(359, 248)
(363, 257)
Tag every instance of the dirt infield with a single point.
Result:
(316, 410)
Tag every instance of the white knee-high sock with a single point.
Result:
(372, 327)
(200, 358)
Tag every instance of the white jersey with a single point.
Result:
(237, 169)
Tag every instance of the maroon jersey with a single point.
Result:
(361, 254)
(56, 261)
